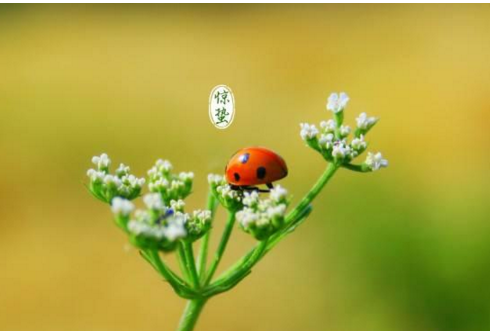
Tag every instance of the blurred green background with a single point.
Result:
(406, 248)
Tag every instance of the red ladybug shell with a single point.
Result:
(255, 165)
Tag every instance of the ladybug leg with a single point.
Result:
(269, 186)
(262, 191)
(254, 188)
(237, 188)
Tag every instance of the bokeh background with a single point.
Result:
(406, 248)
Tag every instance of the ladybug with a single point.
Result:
(254, 166)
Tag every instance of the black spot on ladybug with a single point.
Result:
(237, 176)
(244, 158)
(261, 172)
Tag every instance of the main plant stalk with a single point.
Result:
(191, 314)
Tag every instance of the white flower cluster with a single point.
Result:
(106, 186)
(171, 186)
(163, 222)
(160, 226)
(172, 230)
(198, 223)
(228, 197)
(263, 217)
(332, 138)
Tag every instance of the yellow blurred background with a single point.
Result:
(406, 248)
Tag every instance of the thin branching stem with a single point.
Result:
(244, 265)
(179, 285)
(221, 247)
(203, 252)
(191, 264)
(155, 229)
(182, 259)
(313, 192)
(233, 276)
(356, 167)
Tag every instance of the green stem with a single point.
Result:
(181, 257)
(203, 255)
(191, 264)
(243, 266)
(203, 251)
(175, 281)
(338, 118)
(221, 247)
(235, 274)
(276, 238)
(191, 314)
(357, 167)
(308, 198)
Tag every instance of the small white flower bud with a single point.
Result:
(159, 185)
(337, 102)
(276, 211)
(215, 179)
(203, 216)
(132, 181)
(326, 140)
(250, 198)
(308, 131)
(176, 184)
(142, 215)
(164, 165)
(344, 130)
(328, 126)
(162, 183)
(102, 161)
(278, 193)
(177, 205)
(364, 122)
(264, 205)
(121, 206)
(122, 170)
(263, 221)
(175, 228)
(96, 176)
(339, 151)
(246, 217)
(153, 201)
(124, 190)
(224, 190)
(186, 176)
(153, 172)
(376, 161)
(136, 227)
(112, 180)
(358, 143)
